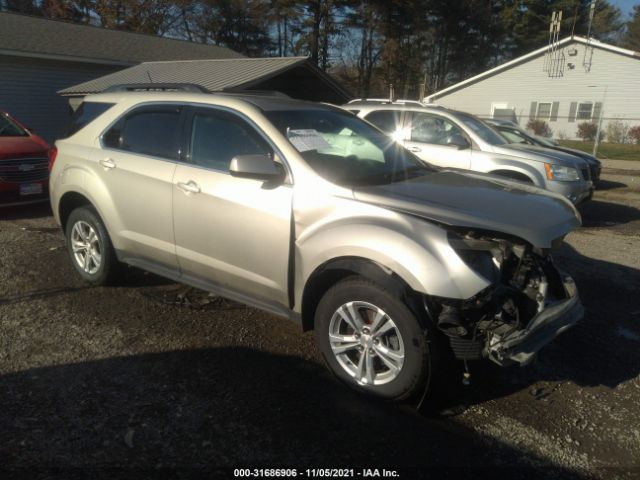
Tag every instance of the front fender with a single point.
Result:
(415, 250)
(490, 163)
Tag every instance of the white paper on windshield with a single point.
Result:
(307, 139)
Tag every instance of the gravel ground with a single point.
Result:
(113, 382)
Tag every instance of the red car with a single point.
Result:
(24, 162)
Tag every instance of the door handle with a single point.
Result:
(189, 187)
(107, 163)
(415, 149)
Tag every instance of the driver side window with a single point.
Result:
(427, 128)
(218, 136)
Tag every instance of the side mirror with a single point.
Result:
(458, 140)
(258, 167)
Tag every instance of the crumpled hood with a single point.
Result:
(540, 154)
(480, 201)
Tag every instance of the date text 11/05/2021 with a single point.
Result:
(316, 472)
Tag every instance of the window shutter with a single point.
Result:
(597, 108)
(554, 111)
(532, 110)
(572, 111)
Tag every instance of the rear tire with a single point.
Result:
(372, 341)
(90, 247)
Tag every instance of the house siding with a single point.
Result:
(28, 89)
(526, 83)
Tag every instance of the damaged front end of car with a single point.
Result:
(528, 303)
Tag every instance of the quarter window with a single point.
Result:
(217, 137)
(149, 131)
(544, 111)
(86, 113)
(585, 111)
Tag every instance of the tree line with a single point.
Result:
(415, 45)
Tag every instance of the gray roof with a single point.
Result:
(35, 36)
(295, 76)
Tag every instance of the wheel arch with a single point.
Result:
(514, 175)
(337, 269)
(68, 203)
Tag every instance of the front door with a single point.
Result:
(231, 232)
(428, 134)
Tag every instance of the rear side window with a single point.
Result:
(86, 113)
(149, 131)
(217, 137)
(386, 120)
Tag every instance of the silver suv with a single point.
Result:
(453, 139)
(306, 211)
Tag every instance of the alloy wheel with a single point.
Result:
(366, 343)
(87, 250)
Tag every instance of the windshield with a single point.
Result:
(512, 133)
(545, 142)
(484, 131)
(346, 150)
(8, 128)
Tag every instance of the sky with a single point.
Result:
(625, 5)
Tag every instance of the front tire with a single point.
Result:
(90, 248)
(372, 341)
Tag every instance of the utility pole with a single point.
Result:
(596, 144)
(592, 11)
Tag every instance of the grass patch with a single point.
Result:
(612, 151)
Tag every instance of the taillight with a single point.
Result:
(53, 153)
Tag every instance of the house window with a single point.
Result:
(544, 111)
(585, 111)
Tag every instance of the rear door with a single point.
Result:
(427, 135)
(136, 164)
(389, 121)
(232, 232)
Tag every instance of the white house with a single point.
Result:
(576, 80)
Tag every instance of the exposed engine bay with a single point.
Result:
(528, 303)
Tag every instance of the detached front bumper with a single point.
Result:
(520, 346)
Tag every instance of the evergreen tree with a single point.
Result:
(631, 38)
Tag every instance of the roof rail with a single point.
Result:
(261, 93)
(384, 101)
(155, 87)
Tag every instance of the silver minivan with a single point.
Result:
(453, 139)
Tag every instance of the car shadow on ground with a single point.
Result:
(609, 185)
(196, 410)
(601, 350)
(597, 213)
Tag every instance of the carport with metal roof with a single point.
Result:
(296, 77)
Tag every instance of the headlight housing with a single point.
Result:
(561, 173)
(480, 255)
